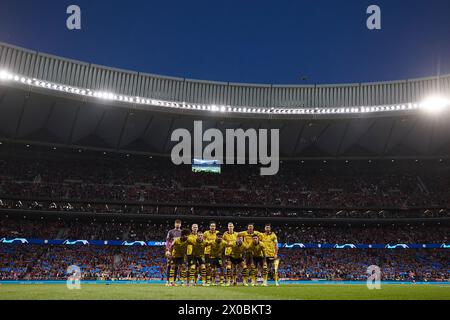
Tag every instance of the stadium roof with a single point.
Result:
(51, 100)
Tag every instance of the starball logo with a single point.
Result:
(234, 144)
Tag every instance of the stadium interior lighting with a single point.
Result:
(435, 104)
(4, 75)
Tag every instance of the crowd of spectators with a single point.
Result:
(175, 210)
(351, 265)
(137, 263)
(287, 233)
(159, 181)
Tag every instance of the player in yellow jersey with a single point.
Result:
(192, 237)
(229, 237)
(238, 249)
(178, 252)
(217, 249)
(248, 239)
(209, 236)
(197, 257)
(258, 260)
(249, 233)
(270, 240)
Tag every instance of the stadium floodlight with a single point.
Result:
(104, 95)
(3, 75)
(435, 104)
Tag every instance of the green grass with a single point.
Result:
(159, 292)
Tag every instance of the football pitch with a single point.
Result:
(160, 292)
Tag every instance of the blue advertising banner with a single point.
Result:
(71, 242)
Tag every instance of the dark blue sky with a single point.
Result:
(257, 41)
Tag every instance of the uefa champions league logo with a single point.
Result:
(134, 243)
(345, 246)
(294, 245)
(397, 246)
(12, 241)
(76, 242)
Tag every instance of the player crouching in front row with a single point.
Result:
(235, 259)
(215, 260)
(258, 261)
(177, 262)
(197, 259)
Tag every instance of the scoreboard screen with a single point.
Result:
(209, 166)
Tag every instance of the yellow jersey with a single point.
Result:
(197, 247)
(237, 251)
(258, 251)
(209, 236)
(179, 248)
(229, 238)
(248, 237)
(271, 242)
(191, 237)
(216, 249)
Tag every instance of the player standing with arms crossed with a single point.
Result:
(258, 260)
(238, 249)
(270, 241)
(217, 249)
(197, 257)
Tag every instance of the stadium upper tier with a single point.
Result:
(153, 92)
(59, 102)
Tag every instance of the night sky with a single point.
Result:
(256, 41)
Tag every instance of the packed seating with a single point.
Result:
(195, 210)
(28, 262)
(61, 176)
(157, 230)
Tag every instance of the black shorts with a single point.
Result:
(270, 262)
(248, 256)
(177, 261)
(198, 261)
(215, 262)
(236, 261)
(258, 261)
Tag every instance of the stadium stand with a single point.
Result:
(135, 263)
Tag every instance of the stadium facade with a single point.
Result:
(60, 102)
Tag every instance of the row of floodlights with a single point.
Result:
(433, 103)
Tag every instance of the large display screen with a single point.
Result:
(208, 166)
